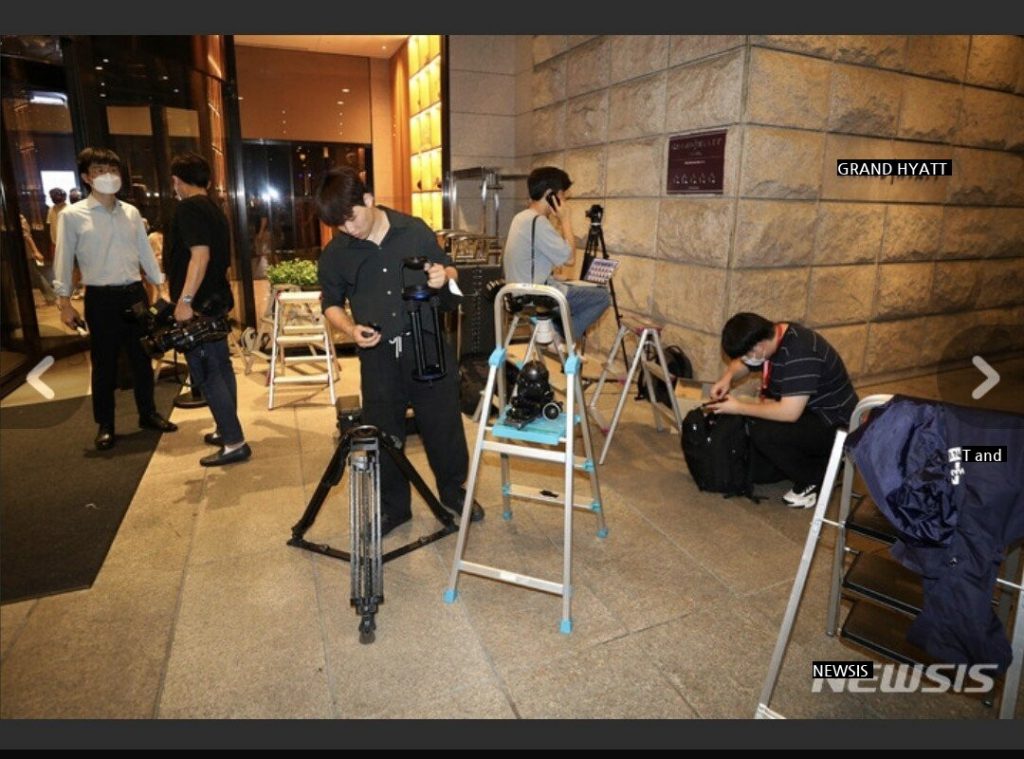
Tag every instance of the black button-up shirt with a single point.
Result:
(370, 276)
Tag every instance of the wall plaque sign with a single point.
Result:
(696, 163)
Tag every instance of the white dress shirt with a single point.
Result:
(110, 246)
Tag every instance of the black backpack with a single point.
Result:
(679, 367)
(717, 452)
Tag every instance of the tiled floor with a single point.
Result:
(201, 610)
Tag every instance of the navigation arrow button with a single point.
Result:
(45, 390)
(991, 377)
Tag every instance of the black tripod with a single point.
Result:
(361, 448)
(595, 238)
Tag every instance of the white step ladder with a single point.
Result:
(542, 439)
(648, 333)
(252, 340)
(299, 322)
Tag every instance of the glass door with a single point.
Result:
(39, 175)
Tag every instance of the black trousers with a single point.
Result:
(796, 451)
(388, 388)
(110, 331)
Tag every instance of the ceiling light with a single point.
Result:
(47, 100)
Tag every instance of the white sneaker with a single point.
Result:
(806, 498)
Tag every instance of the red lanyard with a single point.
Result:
(766, 367)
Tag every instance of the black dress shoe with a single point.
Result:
(220, 457)
(156, 422)
(476, 512)
(104, 438)
(389, 522)
(213, 438)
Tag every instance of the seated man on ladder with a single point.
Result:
(534, 247)
(805, 395)
(364, 267)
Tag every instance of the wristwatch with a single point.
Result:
(187, 300)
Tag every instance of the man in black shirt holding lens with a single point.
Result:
(805, 395)
(363, 266)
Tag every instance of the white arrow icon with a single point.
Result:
(991, 377)
(37, 384)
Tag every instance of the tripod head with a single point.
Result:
(595, 213)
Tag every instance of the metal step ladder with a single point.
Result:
(543, 439)
(886, 596)
(299, 322)
(648, 334)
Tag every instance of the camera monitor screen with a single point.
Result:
(600, 271)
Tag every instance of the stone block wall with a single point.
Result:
(889, 270)
(484, 119)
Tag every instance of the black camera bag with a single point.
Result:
(717, 452)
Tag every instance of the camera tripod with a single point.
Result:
(361, 448)
(595, 238)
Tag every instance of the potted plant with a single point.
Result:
(300, 273)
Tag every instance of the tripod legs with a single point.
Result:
(364, 530)
(361, 448)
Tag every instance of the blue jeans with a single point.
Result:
(210, 369)
(586, 304)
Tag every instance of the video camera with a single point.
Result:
(595, 214)
(533, 396)
(163, 333)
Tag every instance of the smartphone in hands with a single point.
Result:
(552, 200)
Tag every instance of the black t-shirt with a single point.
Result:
(370, 277)
(198, 221)
(805, 364)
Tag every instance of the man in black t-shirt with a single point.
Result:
(197, 260)
(363, 266)
(805, 395)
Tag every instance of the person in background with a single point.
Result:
(540, 238)
(60, 202)
(806, 395)
(36, 264)
(198, 256)
(107, 238)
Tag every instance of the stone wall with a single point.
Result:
(888, 270)
(483, 110)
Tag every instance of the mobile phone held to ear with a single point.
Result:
(552, 201)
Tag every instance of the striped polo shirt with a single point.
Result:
(805, 364)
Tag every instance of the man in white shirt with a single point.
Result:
(535, 247)
(108, 239)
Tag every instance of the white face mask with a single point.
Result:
(108, 184)
(753, 363)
